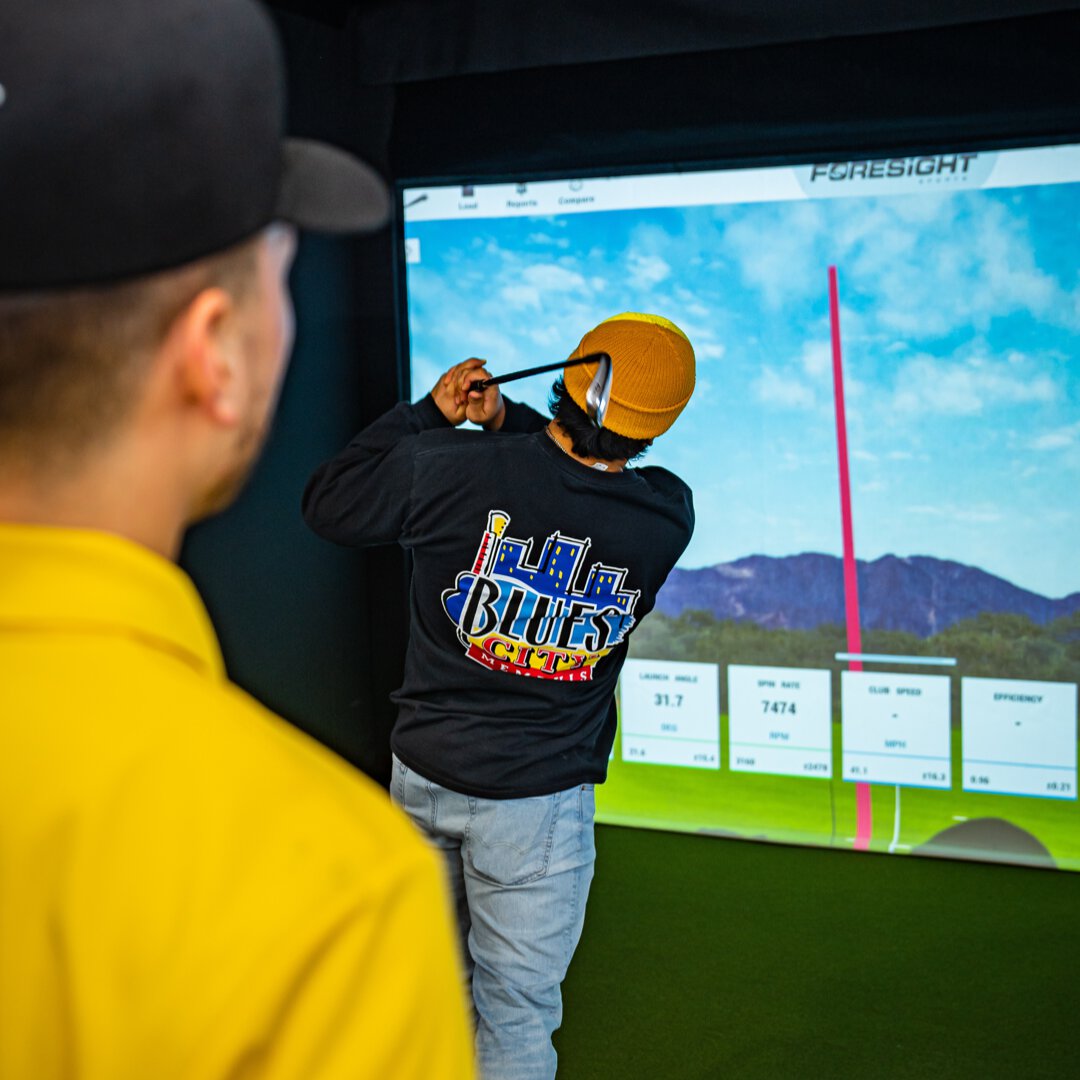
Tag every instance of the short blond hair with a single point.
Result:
(72, 361)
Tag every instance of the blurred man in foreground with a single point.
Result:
(189, 887)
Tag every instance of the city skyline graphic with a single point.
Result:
(530, 615)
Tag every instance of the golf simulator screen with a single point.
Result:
(873, 639)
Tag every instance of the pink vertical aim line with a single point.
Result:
(864, 816)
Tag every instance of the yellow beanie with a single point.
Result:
(652, 364)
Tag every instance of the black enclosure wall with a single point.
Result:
(299, 619)
(474, 90)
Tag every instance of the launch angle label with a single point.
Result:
(670, 713)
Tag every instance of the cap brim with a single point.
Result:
(328, 190)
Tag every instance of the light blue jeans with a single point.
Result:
(519, 873)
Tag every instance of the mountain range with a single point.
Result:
(919, 594)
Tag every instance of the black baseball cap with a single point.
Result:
(138, 135)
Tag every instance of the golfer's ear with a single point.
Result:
(205, 368)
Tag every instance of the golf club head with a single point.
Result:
(599, 392)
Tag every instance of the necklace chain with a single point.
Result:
(600, 466)
(551, 436)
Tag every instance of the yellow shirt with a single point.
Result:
(190, 887)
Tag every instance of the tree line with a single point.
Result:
(990, 645)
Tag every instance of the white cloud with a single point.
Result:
(1061, 439)
(772, 388)
(962, 270)
(927, 385)
(546, 336)
(645, 271)
(855, 328)
(856, 390)
(917, 268)
(553, 278)
(521, 296)
(544, 240)
(775, 249)
(710, 350)
(816, 359)
(528, 288)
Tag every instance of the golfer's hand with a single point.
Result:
(450, 392)
(485, 407)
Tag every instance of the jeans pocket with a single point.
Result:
(399, 774)
(510, 839)
(586, 817)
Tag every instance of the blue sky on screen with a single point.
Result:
(960, 316)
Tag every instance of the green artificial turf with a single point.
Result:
(706, 957)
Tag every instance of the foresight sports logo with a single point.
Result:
(895, 175)
(940, 164)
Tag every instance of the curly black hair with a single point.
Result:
(586, 438)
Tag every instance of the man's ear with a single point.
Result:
(199, 340)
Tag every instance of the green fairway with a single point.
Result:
(808, 810)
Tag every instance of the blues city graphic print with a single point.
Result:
(529, 617)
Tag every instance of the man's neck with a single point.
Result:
(565, 444)
(126, 502)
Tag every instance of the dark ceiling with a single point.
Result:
(400, 41)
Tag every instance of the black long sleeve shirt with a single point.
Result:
(530, 570)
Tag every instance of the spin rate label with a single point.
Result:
(780, 720)
(896, 729)
(670, 713)
(1019, 737)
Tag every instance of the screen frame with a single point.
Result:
(853, 150)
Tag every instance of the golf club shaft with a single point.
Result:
(481, 385)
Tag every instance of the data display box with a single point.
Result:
(780, 720)
(670, 713)
(1019, 737)
(896, 729)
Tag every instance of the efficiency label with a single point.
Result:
(896, 728)
(780, 720)
(670, 713)
(1019, 737)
